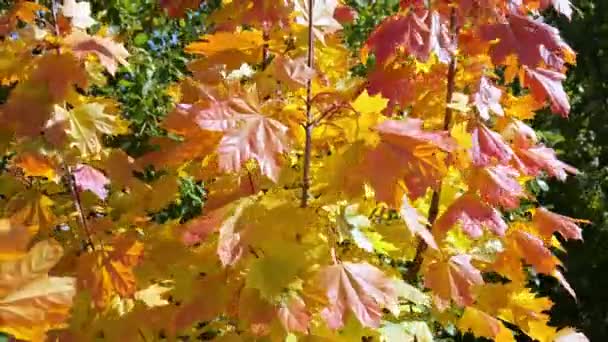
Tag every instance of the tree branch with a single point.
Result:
(413, 270)
(309, 116)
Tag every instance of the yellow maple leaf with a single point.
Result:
(31, 302)
(109, 272)
(86, 123)
(230, 48)
(484, 325)
(31, 208)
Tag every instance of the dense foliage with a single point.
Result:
(302, 170)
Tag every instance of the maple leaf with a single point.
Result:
(545, 84)
(109, 52)
(473, 215)
(484, 325)
(523, 36)
(36, 165)
(86, 123)
(407, 153)
(14, 238)
(519, 134)
(21, 10)
(35, 264)
(195, 142)
(487, 98)
(79, 12)
(410, 331)
(524, 308)
(106, 273)
(453, 279)
(247, 135)
(418, 33)
(293, 315)
(230, 48)
(31, 208)
(293, 72)
(548, 222)
(323, 20)
(120, 167)
(414, 222)
(41, 305)
(498, 185)
(534, 252)
(59, 73)
(200, 228)
(152, 295)
(26, 110)
(31, 302)
(359, 288)
(488, 146)
(89, 178)
(532, 161)
(230, 248)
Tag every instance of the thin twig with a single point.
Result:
(309, 116)
(78, 204)
(412, 272)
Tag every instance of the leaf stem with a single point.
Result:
(413, 270)
(309, 116)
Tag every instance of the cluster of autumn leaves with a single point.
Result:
(318, 181)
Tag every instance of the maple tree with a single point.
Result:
(321, 183)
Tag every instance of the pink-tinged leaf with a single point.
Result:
(217, 116)
(293, 316)
(473, 215)
(487, 98)
(520, 134)
(523, 36)
(416, 223)
(230, 244)
(418, 33)
(534, 252)
(89, 178)
(408, 153)
(399, 86)
(548, 222)
(561, 6)
(562, 280)
(295, 73)
(533, 160)
(498, 186)
(200, 228)
(262, 139)
(409, 32)
(109, 52)
(361, 289)
(453, 279)
(488, 146)
(547, 84)
(247, 135)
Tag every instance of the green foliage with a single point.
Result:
(156, 43)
